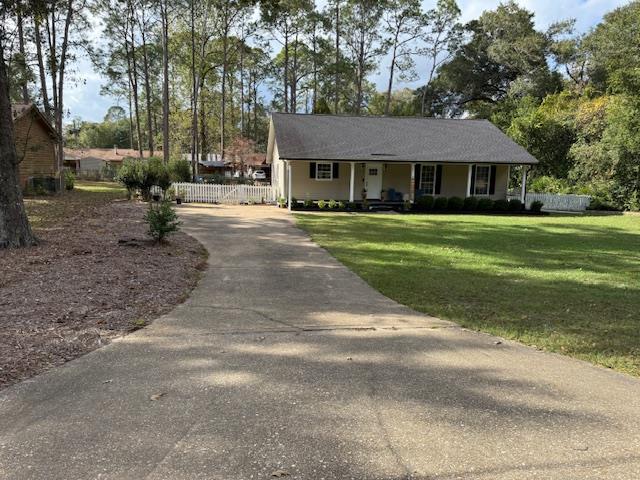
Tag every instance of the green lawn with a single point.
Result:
(566, 284)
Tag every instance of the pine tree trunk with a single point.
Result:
(147, 85)
(165, 81)
(15, 230)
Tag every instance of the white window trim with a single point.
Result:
(435, 178)
(330, 171)
(475, 180)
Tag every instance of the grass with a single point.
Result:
(47, 210)
(566, 284)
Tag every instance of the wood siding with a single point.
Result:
(36, 148)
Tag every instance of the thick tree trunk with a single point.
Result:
(392, 68)
(286, 70)
(337, 72)
(15, 230)
(223, 91)
(194, 97)
(134, 77)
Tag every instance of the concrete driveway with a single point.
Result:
(284, 363)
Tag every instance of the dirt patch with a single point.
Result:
(94, 276)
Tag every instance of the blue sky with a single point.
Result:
(83, 97)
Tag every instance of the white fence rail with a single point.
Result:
(214, 193)
(556, 202)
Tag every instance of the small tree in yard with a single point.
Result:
(162, 220)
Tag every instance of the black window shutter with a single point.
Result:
(472, 188)
(438, 179)
(417, 178)
(312, 170)
(336, 170)
(492, 180)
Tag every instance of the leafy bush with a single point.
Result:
(341, 205)
(130, 176)
(333, 204)
(162, 220)
(470, 204)
(352, 206)
(547, 184)
(308, 204)
(441, 203)
(485, 204)
(322, 204)
(536, 206)
(424, 203)
(109, 171)
(69, 179)
(180, 170)
(515, 205)
(501, 205)
(282, 202)
(455, 203)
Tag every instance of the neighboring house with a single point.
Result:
(390, 159)
(36, 143)
(92, 161)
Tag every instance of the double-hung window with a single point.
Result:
(324, 171)
(481, 186)
(428, 179)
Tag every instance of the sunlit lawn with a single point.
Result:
(47, 210)
(566, 284)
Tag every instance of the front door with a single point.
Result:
(373, 180)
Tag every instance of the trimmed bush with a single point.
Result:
(501, 205)
(485, 204)
(536, 206)
(333, 204)
(470, 204)
(424, 203)
(515, 205)
(455, 203)
(441, 203)
(308, 203)
(342, 205)
(69, 179)
(322, 204)
(162, 220)
(352, 206)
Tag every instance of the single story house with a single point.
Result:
(389, 159)
(92, 161)
(36, 143)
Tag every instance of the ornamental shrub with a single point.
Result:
(130, 176)
(333, 204)
(342, 205)
(501, 205)
(441, 203)
(180, 170)
(69, 179)
(470, 204)
(308, 203)
(455, 203)
(536, 206)
(424, 203)
(162, 220)
(515, 205)
(485, 204)
(322, 204)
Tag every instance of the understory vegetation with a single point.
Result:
(567, 284)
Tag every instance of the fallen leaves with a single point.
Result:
(157, 396)
(280, 473)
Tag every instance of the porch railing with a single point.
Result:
(556, 202)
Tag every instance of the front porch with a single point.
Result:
(392, 183)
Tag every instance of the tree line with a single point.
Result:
(200, 76)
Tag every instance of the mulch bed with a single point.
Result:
(94, 276)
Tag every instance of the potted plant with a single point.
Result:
(180, 194)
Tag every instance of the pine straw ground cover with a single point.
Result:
(82, 286)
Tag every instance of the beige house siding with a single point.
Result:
(454, 180)
(306, 188)
(36, 148)
(397, 177)
(502, 182)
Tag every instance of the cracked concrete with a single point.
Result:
(283, 359)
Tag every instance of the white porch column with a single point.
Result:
(523, 194)
(412, 184)
(468, 192)
(352, 183)
(289, 184)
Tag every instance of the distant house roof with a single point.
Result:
(402, 139)
(105, 154)
(20, 110)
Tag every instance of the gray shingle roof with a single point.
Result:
(402, 139)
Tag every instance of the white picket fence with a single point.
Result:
(234, 194)
(555, 202)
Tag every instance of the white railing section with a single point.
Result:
(557, 202)
(214, 193)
